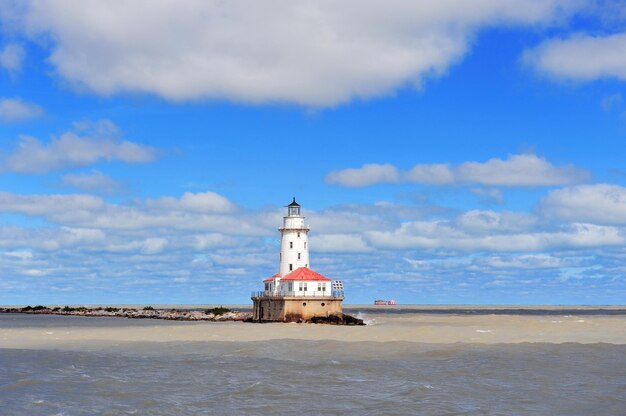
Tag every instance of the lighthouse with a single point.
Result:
(296, 292)
(294, 244)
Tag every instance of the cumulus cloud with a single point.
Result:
(520, 170)
(195, 202)
(201, 212)
(20, 254)
(526, 261)
(11, 57)
(48, 204)
(92, 245)
(87, 144)
(153, 245)
(314, 54)
(366, 175)
(93, 182)
(492, 221)
(339, 243)
(13, 110)
(600, 203)
(444, 235)
(436, 174)
(581, 57)
(489, 195)
(525, 170)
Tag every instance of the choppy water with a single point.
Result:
(315, 377)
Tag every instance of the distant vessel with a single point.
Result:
(384, 302)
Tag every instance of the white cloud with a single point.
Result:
(437, 174)
(195, 202)
(524, 170)
(314, 54)
(11, 57)
(339, 243)
(13, 110)
(71, 149)
(49, 204)
(366, 175)
(526, 261)
(520, 170)
(202, 212)
(489, 195)
(448, 235)
(94, 181)
(491, 221)
(153, 245)
(20, 254)
(600, 203)
(581, 57)
(95, 247)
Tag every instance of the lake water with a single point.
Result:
(307, 377)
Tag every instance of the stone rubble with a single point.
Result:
(169, 314)
(213, 315)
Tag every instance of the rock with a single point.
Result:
(339, 319)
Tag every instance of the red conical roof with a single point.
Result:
(304, 273)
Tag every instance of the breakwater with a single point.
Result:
(213, 314)
(218, 314)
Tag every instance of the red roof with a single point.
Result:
(304, 273)
(271, 279)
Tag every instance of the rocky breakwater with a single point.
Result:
(214, 314)
(220, 314)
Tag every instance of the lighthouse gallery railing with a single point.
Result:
(308, 294)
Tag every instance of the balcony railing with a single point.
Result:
(308, 294)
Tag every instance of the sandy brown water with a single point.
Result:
(73, 332)
(402, 363)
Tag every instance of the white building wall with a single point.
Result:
(311, 287)
(294, 245)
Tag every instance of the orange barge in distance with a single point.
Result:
(383, 302)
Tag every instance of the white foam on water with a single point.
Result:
(483, 330)
(365, 320)
(580, 320)
(557, 322)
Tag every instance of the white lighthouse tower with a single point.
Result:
(294, 241)
(296, 292)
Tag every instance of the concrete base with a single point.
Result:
(294, 308)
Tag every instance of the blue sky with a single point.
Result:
(463, 152)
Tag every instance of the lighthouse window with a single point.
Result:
(298, 256)
(291, 244)
(290, 267)
(305, 244)
(298, 234)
